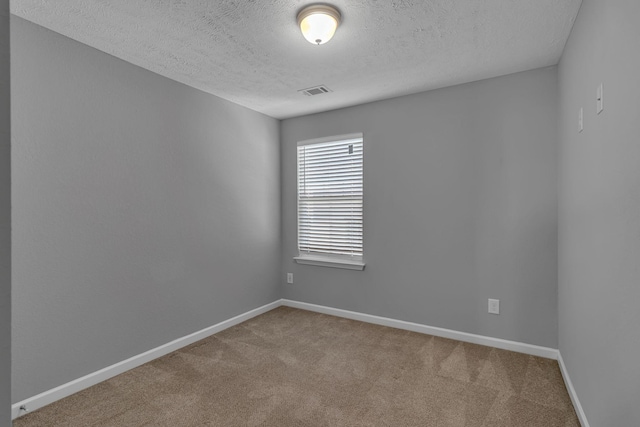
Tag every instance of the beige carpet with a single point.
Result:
(291, 367)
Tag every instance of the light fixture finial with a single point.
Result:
(318, 23)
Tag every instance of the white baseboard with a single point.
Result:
(60, 392)
(519, 347)
(582, 417)
(50, 396)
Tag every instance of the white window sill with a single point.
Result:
(330, 262)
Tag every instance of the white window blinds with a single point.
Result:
(330, 197)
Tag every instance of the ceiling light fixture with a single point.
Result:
(318, 23)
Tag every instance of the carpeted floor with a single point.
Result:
(291, 367)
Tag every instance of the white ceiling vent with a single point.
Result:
(316, 90)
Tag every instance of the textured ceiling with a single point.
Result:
(252, 53)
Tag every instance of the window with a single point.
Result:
(330, 202)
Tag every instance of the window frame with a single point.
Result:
(327, 260)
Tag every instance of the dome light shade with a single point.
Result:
(318, 23)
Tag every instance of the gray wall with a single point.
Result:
(460, 206)
(5, 220)
(144, 210)
(599, 268)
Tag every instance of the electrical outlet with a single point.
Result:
(494, 306)
(600, 99)
(289, 277)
